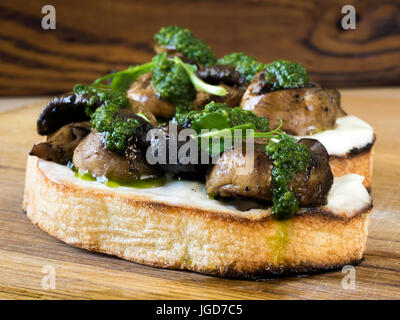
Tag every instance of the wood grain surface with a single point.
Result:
(93, 37)
(25, 250)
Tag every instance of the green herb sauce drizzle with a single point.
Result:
(289, 158)
(112, 183)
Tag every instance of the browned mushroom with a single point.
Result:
(303, 110)
(60, 145)
(225, 76)
(60, 111)
(92, 155)
(233, 176)
(163, 139)
(142, 91)
(138, 109)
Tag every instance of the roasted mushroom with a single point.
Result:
(303, 110)
(142, 91)
(225, 76)
(60, 111)
(229, 177)
(167, 141)
(312, 187)
(232, 175)
(137, 108)
(60, 145)
(91, 155)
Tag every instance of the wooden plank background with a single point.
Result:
(95, 36)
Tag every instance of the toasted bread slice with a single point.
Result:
(176, 226)
(358, 162)
(350, 147)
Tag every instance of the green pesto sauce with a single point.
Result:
(244, 64)
(283, 74)
(288, 159)
(185, 42)
(84, 176)
(113, 183)
(116, 128)
(172, 83)
(99, 95)
(219, 116)
(103, 107)
(139, 184)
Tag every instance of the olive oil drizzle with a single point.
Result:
(112, 183)
(280, 241)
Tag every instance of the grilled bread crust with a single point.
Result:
(154, 233)
(359, 162)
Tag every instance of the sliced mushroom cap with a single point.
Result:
(232, 98)
(164, 141)
(138, 109)
(60, 111)
(63, 110)
(303, 110)
(221, 73)
(91, 155)
(224, 76)
(241, 173)
(312, 187)
(60, 145)
(142, 91)
(140, 131)
(249, 174)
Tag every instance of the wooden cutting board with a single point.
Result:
(27, 253)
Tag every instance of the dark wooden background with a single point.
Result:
(94, 36)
